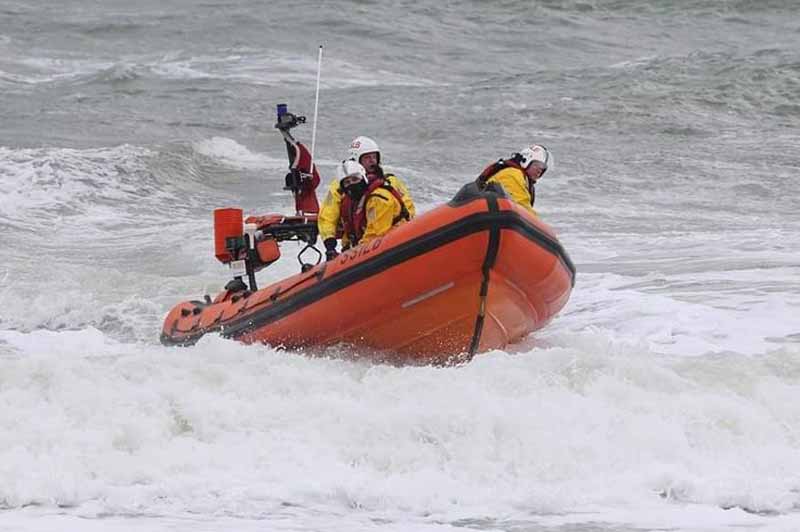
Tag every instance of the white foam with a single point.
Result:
(230, 152)
(279, 68)
(635, 63)
(654, 312)
(43, 70)
(272, 68)
(48, 179)
(112, 428)
(179, 70)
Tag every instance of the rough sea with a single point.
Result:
(664, 397)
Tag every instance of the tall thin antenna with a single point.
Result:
(316, 108)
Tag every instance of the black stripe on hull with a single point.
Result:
(488, 263)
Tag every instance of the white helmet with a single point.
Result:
(536, 152)
(362, 145)
(349, 168)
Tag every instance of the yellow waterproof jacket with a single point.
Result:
(330, 213)
(383, 213)
(515, 183)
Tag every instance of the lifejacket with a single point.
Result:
(499, 165)
(354, 215)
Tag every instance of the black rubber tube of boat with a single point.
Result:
(488, 264)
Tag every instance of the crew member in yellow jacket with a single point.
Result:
(368, 209)
(365, 151)
(519, 174)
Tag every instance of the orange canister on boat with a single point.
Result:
(228, 223)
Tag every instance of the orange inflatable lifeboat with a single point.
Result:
(475, 274)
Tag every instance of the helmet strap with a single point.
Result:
(378, 174)
(532, 190)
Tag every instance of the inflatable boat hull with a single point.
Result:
(476, 274)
